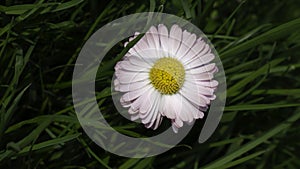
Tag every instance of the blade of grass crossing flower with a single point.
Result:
(249, 146)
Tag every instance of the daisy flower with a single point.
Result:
(166, 74)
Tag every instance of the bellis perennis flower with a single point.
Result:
(166, 74)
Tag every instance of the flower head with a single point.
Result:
(167, 74)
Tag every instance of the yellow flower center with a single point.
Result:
(167, 75)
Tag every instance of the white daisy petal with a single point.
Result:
(129, 96)
(132, 38)
(175, 129)
(173, 106)
(200, 76)
(167, 74)
(153, 39)
(131, 77)
(142, 62)
(210, 84)
(199, 50)
(134, 117)
(178, 122)
(157, 122)
(202, 90)
(147, 103)
(174, 39)
(203, 69)
(200, 61)
(152, 115)
(131, 86)
(190, 112)
(190, 92)
(132, 112)
(143, 49)
(126, 65)
(164, 38)
(188, 41)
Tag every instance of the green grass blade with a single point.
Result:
(271, 35)
(249, 146)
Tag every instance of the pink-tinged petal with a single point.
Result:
(194, 111)
(188, 41)
(200, 76)
(132, 86)
(172, 106)
(212, 97)
(157, 122)
(134, 117)
(177, 122)
(154, 40)
(125, 103)
(126, 77)
(200, 61)
(162, 105)
(184, 114)
(132, 112)
(131, 38)
(203, 69)
(117, 84)
(175, 129)
(195, 50)
(200, 90)
(174, 39)
(126, 65)
(132, 95)
(205, 50)
(189, 113)
(211, 84)
(142, 49)
(164, 38)
(142, 62)
(189, 91)
(151, 115)
(148, 100)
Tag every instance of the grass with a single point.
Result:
(258, 43)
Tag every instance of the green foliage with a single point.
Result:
(258, 43)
